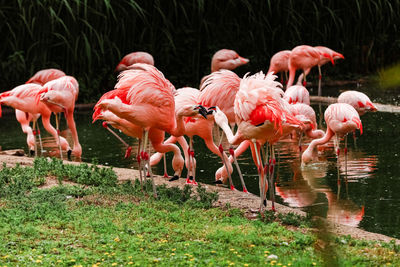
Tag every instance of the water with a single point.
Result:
(370, 199)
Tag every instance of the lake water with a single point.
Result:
(370, 199)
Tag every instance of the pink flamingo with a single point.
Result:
(341, 119)
(297, 94)
(24, 119)
(196, 126)
(60, 95)
(261, 117)
(227, 59)
(151, 103)
(327, 55)
(156, 136)
(280, 63)
(358, 100)
(23, 98)
(133, 58)
(304, 57)
(43, 76)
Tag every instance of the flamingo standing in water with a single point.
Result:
(261, 117)
(297, 94)
(304, 57)
(156, 136)
(60, 95)
(151, 104)
(341, 119)
(133, 58)
(358, 100)
(280, 63)
(23, 98)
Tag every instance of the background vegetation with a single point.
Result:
(88, 38)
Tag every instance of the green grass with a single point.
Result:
(119, 225)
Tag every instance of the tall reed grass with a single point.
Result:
(88, 38)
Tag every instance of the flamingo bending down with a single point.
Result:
(297, 94)
(304, 57)
(150, 103)
(261, 117)
(341, 119)
(133, 58)
(280, 63)
(358, 100)
(156, 136)
(60, 95)
(227, 59)
(196, 126)
(23, 98)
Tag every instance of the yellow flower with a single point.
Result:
(116, 239)
(114, 264)
(172, 254)
(72, 260)
(130, 257)
(113, 253)
(106, 253)
(40, 256)
(246, 264)
(141, 249)
(59, 261)
(130, 263)
(38, 261)
(314, 263)
(252, 246)
(231, 249)
(213, 251)
(6, 256)
(173, 249)
(231, 263)
(266, 252)
(156, 260)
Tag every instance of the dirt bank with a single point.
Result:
(236, 199)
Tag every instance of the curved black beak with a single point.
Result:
(202, 111)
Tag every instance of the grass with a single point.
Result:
(119, 225)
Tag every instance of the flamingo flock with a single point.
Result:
(144, 104)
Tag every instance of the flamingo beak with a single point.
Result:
(244, 60)
(211, 110)
(330, 57)
(202, 111)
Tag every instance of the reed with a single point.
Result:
(88, 38)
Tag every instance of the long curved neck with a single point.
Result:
(232, 139)
(307, 155)
(179, 128)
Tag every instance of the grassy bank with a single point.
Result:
(113, 224)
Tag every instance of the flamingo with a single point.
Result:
(227, 59)
(151, 104)
(297, 94)
(156, 136)
(43, 76)
(261, 117)
(304, 57)
(358, 100)
(24, 120)
(341, 119)
(201, 127)
(280, 63)
(133, 58)
(60, 95)
(23, 98)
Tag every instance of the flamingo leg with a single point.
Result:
(319, 81)
(271, 177)
(165, 166)
(338, 169)
(40, 138)
(260, 171)
(146, 156)
(193, 166)
(300, 137)
(345, 164)
(140, 164)
(189, 176)
(34, 135)
(305, 79)
(222, 155)
(58, 134)
(232, 152)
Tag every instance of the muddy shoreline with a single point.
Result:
(236, 199)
